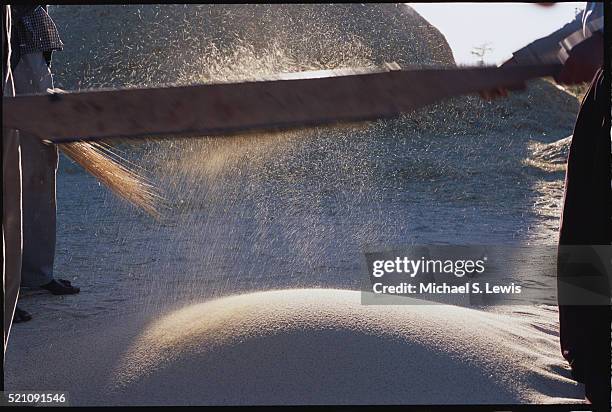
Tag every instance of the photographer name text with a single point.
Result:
(444, 288)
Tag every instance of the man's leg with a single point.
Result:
(40, 165)
(11, 197)
(32, 75)
(11, 225)
(585, 330)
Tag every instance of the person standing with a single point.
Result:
(585, 329)
(585, 220)
(34, 38)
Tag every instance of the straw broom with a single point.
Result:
(113, 171)
(99, 159)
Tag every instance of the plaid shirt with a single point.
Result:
(35, 31)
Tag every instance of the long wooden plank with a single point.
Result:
(285, 101)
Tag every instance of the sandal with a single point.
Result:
(61, 287)
(21, 315)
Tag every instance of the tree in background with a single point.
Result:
(481, 51)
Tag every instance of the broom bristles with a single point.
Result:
(118, 177)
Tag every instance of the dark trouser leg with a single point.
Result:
(585, 330)
(11, 225)
(11, 208)
(39, 208)
(39, 170)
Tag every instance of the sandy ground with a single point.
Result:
(305, 346)
(177, 311)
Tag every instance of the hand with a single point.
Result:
(503, 92)
(500, 91)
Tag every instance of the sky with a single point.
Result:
(503, 27)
